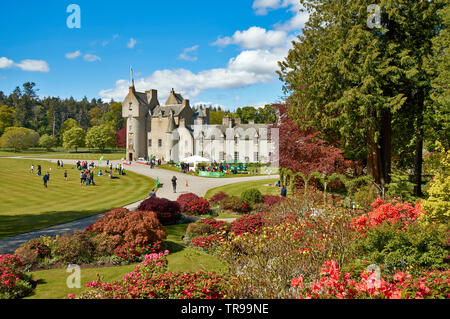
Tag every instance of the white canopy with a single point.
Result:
(195, 160)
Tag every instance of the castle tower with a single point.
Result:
(135, 109)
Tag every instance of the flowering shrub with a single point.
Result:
(252, 196)
(285, 250)
(235, 204)
(199, 206)
(247, 224)
(149, 281)
(130, 253)
(13, 283)
(208, 243)
(105, 244)
(183, 199)
(218, 197)
(217, 225)
(135, 228)
(333, 285)
(402, 213)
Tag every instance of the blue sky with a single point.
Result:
(218, 52)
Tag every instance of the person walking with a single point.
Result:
(91, 177)
(61, 164)
(46, 178)
(174, 184)
(81, 178)
(152, 193)
(57, 164)
(39, 170)
(65, 175)
(32, 169)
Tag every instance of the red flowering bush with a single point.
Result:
(333, 285)
(208, 243)
(149, 281)
(13, 283)
(393, 213)
(199, 206)
(247, 224)
(135, 228)
(235, 204)
(183, 199)
(130, 253)
(218, 197)
(167, 211)
(217, 225)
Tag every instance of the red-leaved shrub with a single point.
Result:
(271, 200)
(183, 199)
(167, 211)
(218, 197)
(135, 228)
(235, 204)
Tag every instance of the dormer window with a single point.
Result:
(130, 106)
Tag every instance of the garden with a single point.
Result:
(312, 244)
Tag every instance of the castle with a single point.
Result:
(175, 130)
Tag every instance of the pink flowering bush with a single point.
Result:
(13, 283)
(129, 253)
(149, 280)
(335, 285)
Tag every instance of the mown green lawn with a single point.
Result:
(236, 189)
(82, 154)
(25, 205)
(52, 283)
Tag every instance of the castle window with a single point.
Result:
(236, 140)
(236, 156)
(256, 157)
(221, 156)
(159, 143)
(150, 143)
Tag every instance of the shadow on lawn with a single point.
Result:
(12, 225)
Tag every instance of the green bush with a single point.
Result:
(417, 248)
(253, 196)
(198, 229)
(437, 206)
(365, 195)
(400, 186)
(235, 204)
(75, 249)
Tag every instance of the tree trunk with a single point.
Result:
(419, 145)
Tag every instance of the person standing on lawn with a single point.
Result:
(65, 175)
(32, 169)
(46, 178)
(283, 191)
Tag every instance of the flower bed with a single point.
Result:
(13, 283)
(197, 207)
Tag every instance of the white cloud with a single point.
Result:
(91, 58)
(34, 66)
(185, 56)
(73, 55)
(254, 38)
(261, 6)
(248, 68)
(131, 43)
(6, 63)
(297, 22)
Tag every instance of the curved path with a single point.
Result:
(195, 184)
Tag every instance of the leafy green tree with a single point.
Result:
(6, 117)
(67, 125)
(100, 137)
(114, 116)
(95, 116)
(74, 138)
(47, 141)
(355, 83)
(19, 138)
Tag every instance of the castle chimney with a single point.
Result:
(185, 102)
(226, 121)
